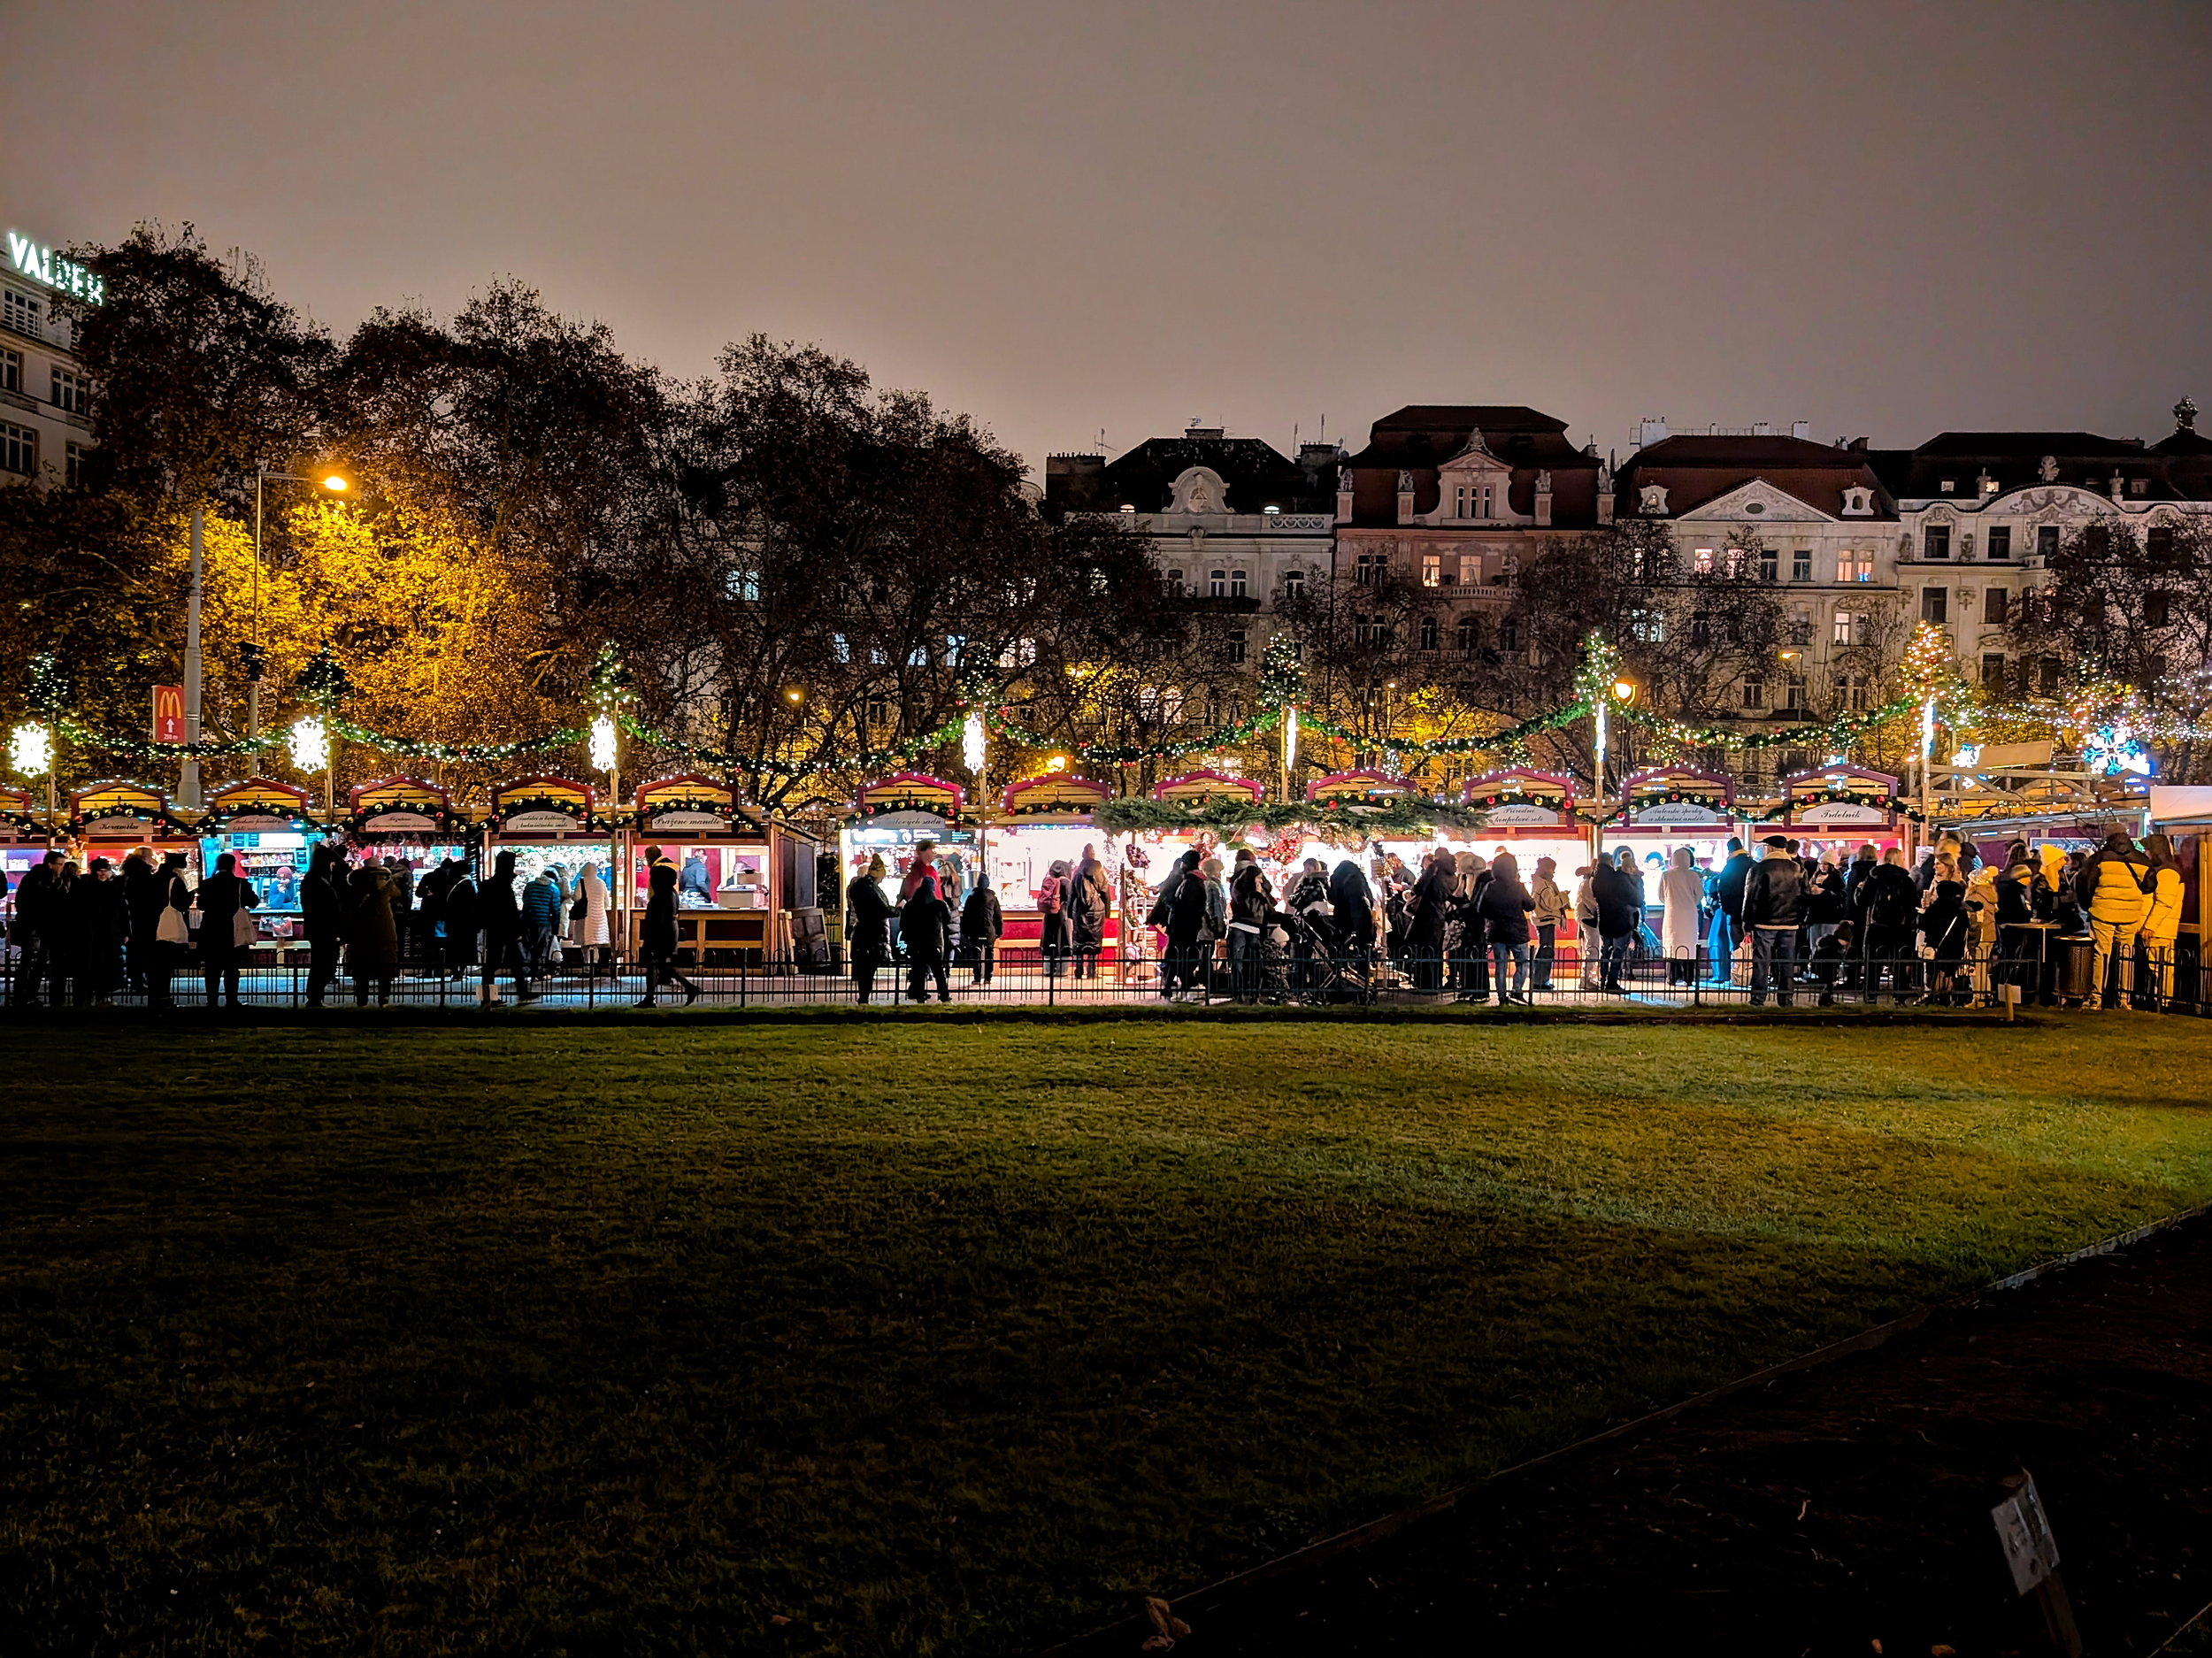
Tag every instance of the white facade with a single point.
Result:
(45, 432)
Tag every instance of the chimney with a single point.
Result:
(1762, 429)
(1802, 429)
(1072, 482)
(1649, 432)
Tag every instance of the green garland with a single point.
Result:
(453, 753)
(731, 760)
(1834, 735)
(1400, 818)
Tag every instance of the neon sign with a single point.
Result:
(63, 275)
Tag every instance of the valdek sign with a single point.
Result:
(63, 275)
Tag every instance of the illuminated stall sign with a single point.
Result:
(400, 806)
(1054, 796)
(1671, 797)
(1518, 798)
(1358, 785)
(689, 804)
(115, 810)
(1207, 788)
(256, 806)
(906, 792)
(1840, 798)
(542, 806)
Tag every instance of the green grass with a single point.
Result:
(932, 1337)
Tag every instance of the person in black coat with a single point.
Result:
(102, 926)
(36, 929)
(221, 899)
(1432, 900)
(925, 927)
(323, 917)
(1179, 908)
(460, 909)
(1728, 895)
(982, 921)
(656, 937)
(1352, 913)
(1888, 910)
(502, 918)
(1090, 899)
(1503, 906)
(1620, 917)
(163, 891)
(1774, 907)
(868, 927)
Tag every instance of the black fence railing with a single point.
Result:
(2055, 972)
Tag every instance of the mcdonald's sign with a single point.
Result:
(169, 713)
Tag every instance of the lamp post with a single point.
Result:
(337, 486)
(1623, 691)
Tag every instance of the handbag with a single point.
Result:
(170, 928)
(243, 933)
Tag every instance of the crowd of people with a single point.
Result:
(1780, 919)
(83, 935)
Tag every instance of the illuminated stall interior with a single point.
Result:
(1045, 820)
(547, 821)
(893, 814)
(1530, 814)
(1835, 811)
(269, 829)
(407, 818)
(729, 900)
(23, 837)
(1667, 807)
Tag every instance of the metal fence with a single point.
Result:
(2060, 972)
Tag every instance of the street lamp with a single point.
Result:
(337, 486)
(1623, 693)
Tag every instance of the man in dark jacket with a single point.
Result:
(1773, 910)
(1175, 960)
(1620, 916)
(1887, 906)
(926, 926)
(982, 921)
(36, 929)
(1090, 898)
(102, 926)
(1728, 884)
(501, 920)
(323, 917)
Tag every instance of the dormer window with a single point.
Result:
(2136, 486)
(1950, 486)
(1653, 502)
(1129, 507)
(1473, 501)
(1271, 509)
(1858, 501)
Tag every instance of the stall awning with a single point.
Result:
(1516, 797)
(692, 804)
(120, 810)
(402, 806)
(1206, 788)
(256, 805)
(1055, 796)
(910, 791)
(544, 806)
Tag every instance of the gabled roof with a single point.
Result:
(1426, 435)
(1697, 471)
(2014, 460)
(1254, 473)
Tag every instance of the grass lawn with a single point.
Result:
(928, 1336)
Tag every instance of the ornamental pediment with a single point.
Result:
(1757, 502)
(2057, 500)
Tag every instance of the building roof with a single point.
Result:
(2014, 460)
(1425, 434)
(1694, 471)
(1254, 475)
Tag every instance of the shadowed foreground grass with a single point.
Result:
(931, 1337)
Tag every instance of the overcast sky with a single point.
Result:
(1886, 219)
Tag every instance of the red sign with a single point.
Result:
(168, 713)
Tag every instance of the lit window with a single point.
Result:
(1848, 626)
(1432, 570)
(839, 650)
(1702, 562)
(1650, 626)
(743, 583)
(1950, 486)
(1852, 566)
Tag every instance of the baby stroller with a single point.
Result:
(1321, 967)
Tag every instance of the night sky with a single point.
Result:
(1886, 219)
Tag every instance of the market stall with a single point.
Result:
(268, 828)
(892, 816)
(548, 822)
(1042, 821)
(109, 819)
(737, 888)
(24, 838)
(1671, 806)
(407, 818)
(1530, 814)
(1836, 810)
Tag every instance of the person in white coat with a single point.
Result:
(591, 933)
(1682, 895)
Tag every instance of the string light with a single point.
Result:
(602, 752)
(972, 750)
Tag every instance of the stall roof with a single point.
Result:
(1365, 782)
(1209, 785)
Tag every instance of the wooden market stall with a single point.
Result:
(548, 821)
(111, 818)
(745, 879)
(268, 828)
(1837, 808)
(1043, 820)
(893, 814)
(24, 838)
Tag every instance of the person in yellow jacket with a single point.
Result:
(2162, 924)
(2114, 889)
